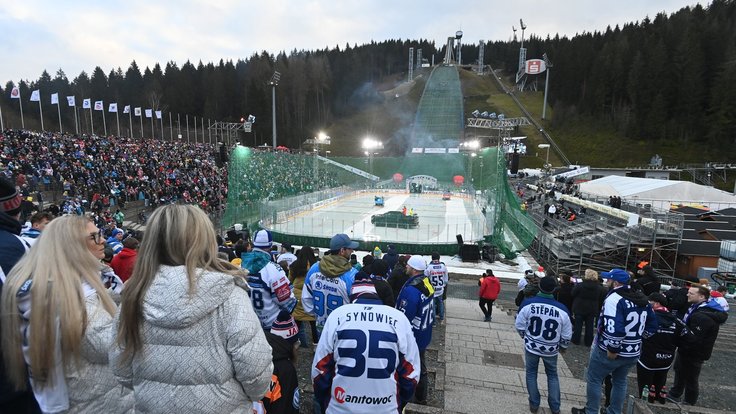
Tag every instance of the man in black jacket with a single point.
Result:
(704, 319)
(12, 248)
(645, 279)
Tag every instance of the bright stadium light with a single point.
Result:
(370, 145)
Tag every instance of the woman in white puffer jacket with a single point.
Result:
(57, 322)
(187, 338)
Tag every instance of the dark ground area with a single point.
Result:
(717, 379)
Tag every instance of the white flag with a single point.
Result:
(87, 103)
(138, 111)
(126, 110)
(15, 93)
(71, 101)
(54, 99)
(158, 114)
(149, 113)
(36, 96)
(98, 106)
(113, 107)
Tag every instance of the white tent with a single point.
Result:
(659, 193)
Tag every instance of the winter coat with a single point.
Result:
(204, 353)
(564, 294)
(489, 288)
(677, 301)
(283, 394)
(89, 385)
(391, 258)
(297, 280)
(704, 321)
(398, 279)
(122, 263)
(647, 283)
(11, 250)
(658, 350)
(587, 297)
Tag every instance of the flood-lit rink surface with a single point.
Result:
(439, 220)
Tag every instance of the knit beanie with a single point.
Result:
(9, 197)
(285, 327)
(547, 285)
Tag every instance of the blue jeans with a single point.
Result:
(439, 305)
(553, 381)
(598, 367)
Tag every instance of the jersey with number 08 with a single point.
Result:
(367, 360)
(322, 294)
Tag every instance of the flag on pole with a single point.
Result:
(99, 106)
(138, 111)
(149, 113)
(126, 110)
(113, 107)
(15, 93)
(71, 101)
(36, 96)
(87, 103)
(158, 114)
(54, 99)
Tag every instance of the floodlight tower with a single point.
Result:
(274, 82)
(522, 53)
(458, 37)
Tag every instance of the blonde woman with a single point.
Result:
(188, 340)
(587, 299)
(57, 322)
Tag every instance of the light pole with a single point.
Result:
(548, 64)
(543, 146)
(370, 145)
(274, 82)
(321, 138)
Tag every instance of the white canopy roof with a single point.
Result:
(649, 190)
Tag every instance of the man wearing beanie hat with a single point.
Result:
(270, 291)
(416, 301)
(12, 248)
(378, 272)
(625, 318)
(645, 279)
(283, 394)
(385, 379)
(658, 350)
(545, 326)
(328, 282)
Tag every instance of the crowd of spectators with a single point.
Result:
(273, 175)
(94, 171)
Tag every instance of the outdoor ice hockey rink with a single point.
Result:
(439, 220)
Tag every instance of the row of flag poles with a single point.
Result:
(98, 106)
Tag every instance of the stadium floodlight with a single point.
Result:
(274, 82)
(370, 145)
(476, 113)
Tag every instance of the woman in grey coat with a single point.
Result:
(188, 340)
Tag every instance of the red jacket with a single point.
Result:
(489, 288)
(122, 263)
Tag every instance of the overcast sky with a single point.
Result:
(77, 35)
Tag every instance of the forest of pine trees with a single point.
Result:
(670, 77)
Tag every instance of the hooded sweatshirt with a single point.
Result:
(327, 287)
(203, 353)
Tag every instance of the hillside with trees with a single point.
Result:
(668, 81)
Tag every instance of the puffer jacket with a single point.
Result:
(204, 353)
(90, 385)
(587, 297)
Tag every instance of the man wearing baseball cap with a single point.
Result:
(625, 318)
(415, 300)
(328, 282)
